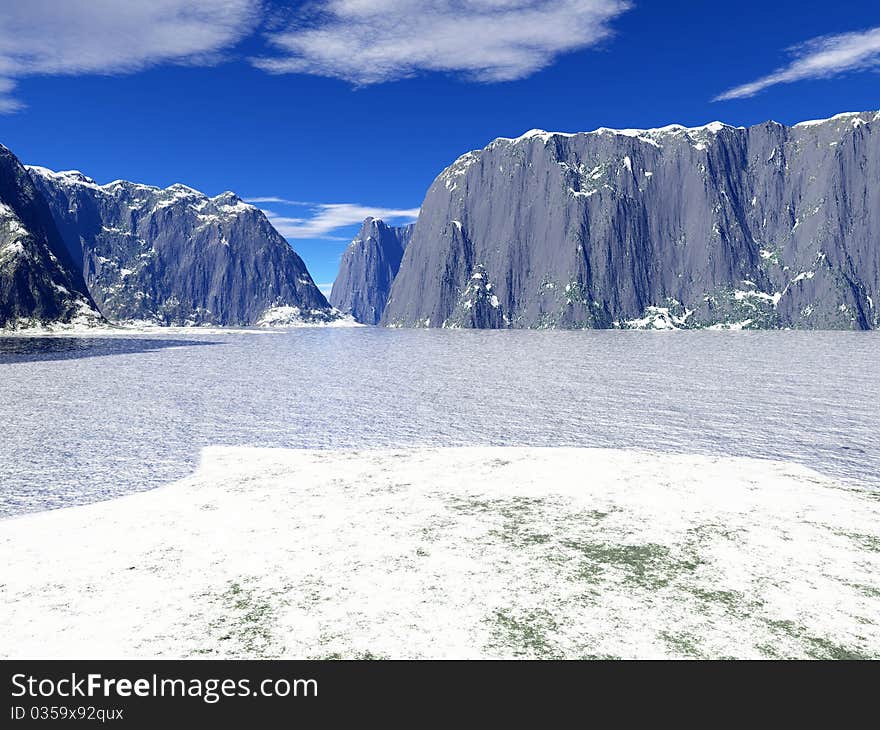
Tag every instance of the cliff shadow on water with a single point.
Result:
(34, 349)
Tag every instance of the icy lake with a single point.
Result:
(90, 417)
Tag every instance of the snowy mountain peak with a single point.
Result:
(657, 135)
(855, 117)
(181, 189)
(175, 256)
(652, 136)
(228, 199)
(63, 176)
(225, 202)
(541, 134)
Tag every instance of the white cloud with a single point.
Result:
(371, 41)
(8, 105)
(114, 36)
(363, 41)
(275, 199)
(322, 219)
(817, 59)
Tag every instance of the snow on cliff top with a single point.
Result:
(67, 176)
(652, 134)
(226, 201)
(698, 136)
(856, 117)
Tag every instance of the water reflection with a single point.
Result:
(33, 349)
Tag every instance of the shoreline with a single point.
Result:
(111, 330)
(496, 552)
(61, 330)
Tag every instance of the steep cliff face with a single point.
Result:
(174, 256)
(39, 284)
(478, 306)
(368, 268)
(714, 226)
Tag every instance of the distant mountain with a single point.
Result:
(174, 256)
(715, 226)
(368, 268)
(39, 285)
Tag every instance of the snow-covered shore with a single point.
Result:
(148, 328)
(452, 553)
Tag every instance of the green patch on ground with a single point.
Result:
(864, 541)
(528, 523)
(247, 622)
(523, 634)
(733, 602)
(356, 656)
(522, 538)
(648, 565)
(681, 643)
(815, 647)
(870, 591)
(519, 515)
(472, 505)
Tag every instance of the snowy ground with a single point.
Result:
(452, 553)
(111, 330)
(149, 328)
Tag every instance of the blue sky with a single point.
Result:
(334, 109)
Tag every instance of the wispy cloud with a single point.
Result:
(362, 41)
(8, 104)
(320, 220)
(275, 199)
(372, 41)
(112, 36)
(818, 58)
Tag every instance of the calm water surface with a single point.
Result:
(86, 418)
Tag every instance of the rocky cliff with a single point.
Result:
(715, 226)
(368, 268)
(39, 284)
(175, 256)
